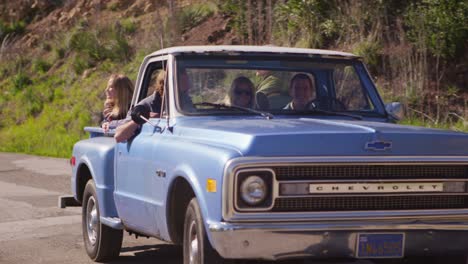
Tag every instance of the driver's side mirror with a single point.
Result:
(395, 110)
(140, 114)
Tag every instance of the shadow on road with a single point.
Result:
(169, 254)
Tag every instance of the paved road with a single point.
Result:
(34, 230)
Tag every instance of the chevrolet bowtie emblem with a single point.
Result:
(378, 145)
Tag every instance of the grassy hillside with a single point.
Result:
(51, 90)
(56, 56)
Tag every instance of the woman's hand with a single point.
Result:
(108, 107)
(154, 115)
(105, 126)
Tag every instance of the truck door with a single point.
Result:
(136, 174)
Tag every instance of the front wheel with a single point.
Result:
(197, 247)
(102, 243)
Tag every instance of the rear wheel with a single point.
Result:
(197, 247)
(102, 243)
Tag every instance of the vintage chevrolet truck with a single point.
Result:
(334, 177)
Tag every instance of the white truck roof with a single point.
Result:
(253, 49)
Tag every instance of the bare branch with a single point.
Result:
(423, 114)
(457, 116)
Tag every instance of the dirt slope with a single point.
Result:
(46, 19)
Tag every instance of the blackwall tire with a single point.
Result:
(102, 243)
(196, 246)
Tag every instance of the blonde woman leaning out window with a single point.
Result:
(119, 93)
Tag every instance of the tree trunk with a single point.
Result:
(173, 27)
(269, 18)
(260, 23)
(249, 22)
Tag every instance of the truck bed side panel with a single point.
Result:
(98, 155)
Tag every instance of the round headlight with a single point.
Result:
(253, 190)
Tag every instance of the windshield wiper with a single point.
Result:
(331, 113)
(244, 109)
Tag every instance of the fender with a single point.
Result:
(97, 154)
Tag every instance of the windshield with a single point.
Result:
(276, 86)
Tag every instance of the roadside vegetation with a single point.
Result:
(52, 81)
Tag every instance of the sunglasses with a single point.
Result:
(242, 92)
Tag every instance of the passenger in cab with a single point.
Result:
(156, 91)
(184, 85)
(128, 127)
(242, 93)
(302, 91)
(272, 87)
(119, 93)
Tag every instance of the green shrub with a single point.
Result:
(113, 6)
(4, 70)
(305, 23)
(131, 69)
(41, 66)
(193, 15)
(236, 12)
(87, 43)
(99, 45)
(128, 25)
(108, 66)
(118, 48)
(20, 81)
(58, 94)
(42, 139)
(81, 63)
(33, 103)
(59, 52)
(46, 46)
(17, 27)
(439, 25)
(370, 51)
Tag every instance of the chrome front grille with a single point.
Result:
(362, 173)
(367, 203)
(341, 187)
(358, 172)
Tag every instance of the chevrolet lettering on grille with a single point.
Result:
(330, 188)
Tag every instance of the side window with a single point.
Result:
(154, 83)
(349, 90)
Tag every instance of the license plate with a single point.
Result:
(389, 245)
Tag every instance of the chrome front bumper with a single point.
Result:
(274, 241)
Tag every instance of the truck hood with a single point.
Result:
(319, 137)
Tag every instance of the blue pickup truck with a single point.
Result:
(272, 153)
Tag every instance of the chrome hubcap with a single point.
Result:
(92, 220)
(193, 247)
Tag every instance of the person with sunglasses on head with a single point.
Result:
(119, 93)
(242, 93)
